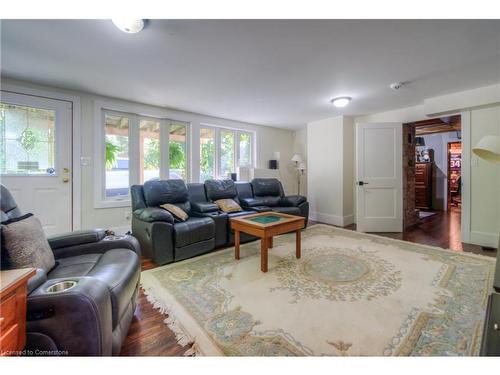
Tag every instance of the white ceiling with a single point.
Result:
(272, 72)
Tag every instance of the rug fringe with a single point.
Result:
(183, 339)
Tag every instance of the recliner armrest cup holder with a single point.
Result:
(61, 286)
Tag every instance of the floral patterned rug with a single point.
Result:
(351, 294)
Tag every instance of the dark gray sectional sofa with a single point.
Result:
(167, 240)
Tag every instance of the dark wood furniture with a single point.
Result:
(266, 231)
(13, 310)
(423, 185)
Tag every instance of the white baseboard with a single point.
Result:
(340, 221)
(484, 239)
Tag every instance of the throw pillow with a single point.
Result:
(228, 205)
(178, 213)
(25, 244)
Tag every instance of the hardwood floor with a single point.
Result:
(149, 335)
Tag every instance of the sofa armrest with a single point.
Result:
(38, 279)
(292, 200)
(106, 244)
(204, 207)
(79, 319)
(151, 214)
(251, 202)
(78, 237)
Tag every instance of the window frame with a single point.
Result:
(236, 150)
(100, 199)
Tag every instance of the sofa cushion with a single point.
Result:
(263, 187)
(160, 192)
(176, 211)
(228, 205)
(287, 210)
(118, 269)
(193, 230)
(220, 189)
(24, 244)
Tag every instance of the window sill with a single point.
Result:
(113, 203)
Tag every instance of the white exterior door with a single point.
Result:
(35, 157)
(379, 180)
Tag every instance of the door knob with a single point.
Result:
(361, 183)
(65, 180)
(66, 170)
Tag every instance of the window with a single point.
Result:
(177, 151)
(149, 152)
(226, 151)
(27, 140)
(207, 154)
(116, 156)
(245, 150)
(223, 151)
(136, 149)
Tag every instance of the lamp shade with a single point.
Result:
(488, 148)
(297, 158)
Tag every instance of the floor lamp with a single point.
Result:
(297, 159)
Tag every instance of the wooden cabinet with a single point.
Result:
(423, 185)
(13, 310)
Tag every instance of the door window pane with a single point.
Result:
(27, 140)
(177, 151)
(245, 157)
(149, 152)
(207, 154)
(117, 156)
(226, 153)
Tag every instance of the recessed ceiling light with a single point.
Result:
(341, 102)
(128, 25)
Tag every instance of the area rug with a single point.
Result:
(350, 294)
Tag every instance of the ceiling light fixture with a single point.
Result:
(341, 102)
(128, 25)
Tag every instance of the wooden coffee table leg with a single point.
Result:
(263, 254)
(297, 244)
(237, 244)
(270, 244)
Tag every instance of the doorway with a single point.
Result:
(36, 157)
(433, 176)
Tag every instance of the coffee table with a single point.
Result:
(266, 225)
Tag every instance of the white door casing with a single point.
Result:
(379, 177)
(47, 195)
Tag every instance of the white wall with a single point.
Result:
(485, 181)
(330, 165)
(269, 140)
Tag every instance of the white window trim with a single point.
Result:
(103, 108)
(236, 131)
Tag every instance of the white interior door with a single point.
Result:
(379, 177)
(35, 145)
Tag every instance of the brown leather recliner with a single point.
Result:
(93, 316)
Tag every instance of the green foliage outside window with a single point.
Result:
(207, 161)
(112, 151)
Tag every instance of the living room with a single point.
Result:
(164, 178)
